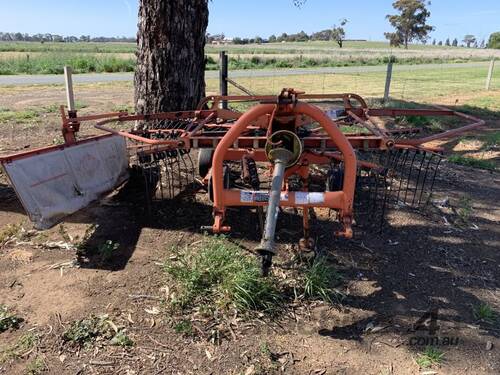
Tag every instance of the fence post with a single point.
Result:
(70, 97)
(388, 79)
(223, 76)
(490, 74)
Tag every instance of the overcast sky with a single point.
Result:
(248, 18)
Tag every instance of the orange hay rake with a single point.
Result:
(291, 150)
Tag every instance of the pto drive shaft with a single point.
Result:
(281, 157)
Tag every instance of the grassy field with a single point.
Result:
(49, 58)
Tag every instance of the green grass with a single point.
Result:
(464, 208)
(432, 124)
(18, 116)
(24, 344)
(491, 139)
(53, 63)
(485, 313)
(431, 356)
(36, 366)
(91, 47)
(472, 162)
(320, 279)
(220, 275)
(184, 327)
(49, 58)
(32, 115)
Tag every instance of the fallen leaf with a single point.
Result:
(129, 318)
(250, 370)
(209, 355)
(153, 311)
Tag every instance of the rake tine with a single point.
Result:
(433, 180)
(409, 174)
(148, 198)
(374, 207)
(384, 202)
(190, 170)
(185, 172)
(171, 177)
(424, 155)
(425, 179)
(178, 167)
(401, 179)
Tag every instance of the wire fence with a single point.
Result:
(447, 84)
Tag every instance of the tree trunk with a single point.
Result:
(170, 72)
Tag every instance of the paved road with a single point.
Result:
(17, 80)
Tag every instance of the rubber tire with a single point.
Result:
(205, 156)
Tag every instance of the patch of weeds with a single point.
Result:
(8, 320)
(264, 348)
(435, 125)
(8, 232)
(80, 105)
(18, 116)
(485, 313)
(28, 114)
(58, 140)
(432, 124)
(124, 108)
(83, 244)
(221, 275)
(319, 281)
(52, 108)
(184, 327)
(23, 345)
(107, 249)
(36, 366)
(464, 208)
(431, 356)
(83, 332)
(64, 233)
(121, 339)
(41, 238)
(352, 129)
(416, 121)
(472, 162)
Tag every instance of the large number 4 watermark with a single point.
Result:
(428, 322)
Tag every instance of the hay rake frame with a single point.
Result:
(290, 136)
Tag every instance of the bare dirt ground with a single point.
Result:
(446, 257)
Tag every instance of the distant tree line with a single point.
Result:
(469, 41)
(20, 37)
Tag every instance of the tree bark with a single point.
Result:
(170, 72)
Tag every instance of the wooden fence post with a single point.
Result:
(490, 74)
(70, 97)
(223, 76)
(388, 78)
